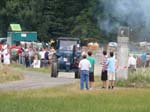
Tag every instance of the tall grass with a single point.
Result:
(8, 74)
(138, 78)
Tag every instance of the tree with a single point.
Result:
(55, 18)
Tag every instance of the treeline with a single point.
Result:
(55, 18)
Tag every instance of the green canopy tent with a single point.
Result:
(15, 35)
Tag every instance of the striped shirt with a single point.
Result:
(104, 63)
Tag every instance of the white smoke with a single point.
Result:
(135, 13)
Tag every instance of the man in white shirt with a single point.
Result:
(42, 53)
(42, 56)
(131, 63)
(84, 67)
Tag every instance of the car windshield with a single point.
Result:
(67, 45)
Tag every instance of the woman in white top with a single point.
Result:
(6, 56)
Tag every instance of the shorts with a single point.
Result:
(104, 75)
(111, 76)
(91, 76)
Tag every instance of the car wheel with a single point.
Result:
(54, 70)
(77, 75)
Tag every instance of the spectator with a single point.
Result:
(104, 76)
(31, 55)
(52, 50)
(84, 51)
(131, 63)
(46, 62)
(84, 66)
(111, 70)
(23, 56)
(27, 57)
(19, 52)
(143, 57)
(42, 56)
(91, 73)
(6, 56)
(36, 62)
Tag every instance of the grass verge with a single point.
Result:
(43, 70)
(69, 99)
(138, 78)
(8, 74)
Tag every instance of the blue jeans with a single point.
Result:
(23, 60)
(19, 60)
(30, 61)
(84, 76)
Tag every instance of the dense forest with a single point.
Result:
(70, 18)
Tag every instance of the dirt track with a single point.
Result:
(35, 80)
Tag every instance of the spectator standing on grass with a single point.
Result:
(104, 76)
(132, 63)
(111, 70)
(91, 72)
(42, 56)
(47, 52)
(6, 57)
(84, 66)
(31, 56)
(23, 55)
(36, 61)
(27, 57)
(143, 57)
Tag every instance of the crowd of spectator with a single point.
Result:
(26, 55)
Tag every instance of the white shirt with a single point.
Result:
(84, 64)
(31, 53)
(36, 63)
(131, 61)
(6, 56)
(42, 54)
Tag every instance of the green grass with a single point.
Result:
(68, 99)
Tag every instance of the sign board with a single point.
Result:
(15, 27)
(23, 35)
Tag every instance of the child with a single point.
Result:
(36, 62)
(111, 70)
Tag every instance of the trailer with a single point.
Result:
(14, 38)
